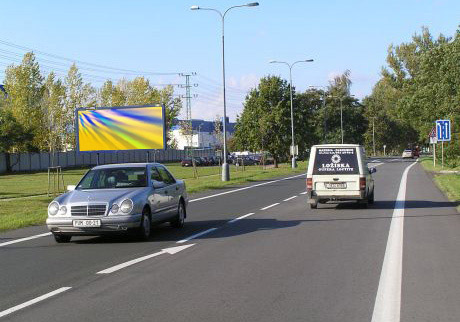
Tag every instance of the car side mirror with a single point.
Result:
(372, 170)
(71, 187)
(157, 184)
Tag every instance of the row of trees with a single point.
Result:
(420, 84)
(265, 123)
(38, 113)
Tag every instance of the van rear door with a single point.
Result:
(336, 172)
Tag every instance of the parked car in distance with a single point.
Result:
(245, 161)
(119, 198)
(407, 154)
(339, 172)
(189, 163)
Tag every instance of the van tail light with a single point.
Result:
(362, 183)
(309, 183)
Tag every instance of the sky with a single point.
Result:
(151, 38)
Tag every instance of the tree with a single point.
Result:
(24, 85)
(218, 128)
(12, 133)
(265, 121)
(74, 99)
(54, 105)
(419, 85)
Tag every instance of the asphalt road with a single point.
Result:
(282, 263)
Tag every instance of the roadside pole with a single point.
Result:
(442, 154)
(434, 155)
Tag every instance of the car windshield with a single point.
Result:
(110, 178)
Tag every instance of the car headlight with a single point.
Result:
(53, 208)
(114, 208)
(126, 206)
(62, 211)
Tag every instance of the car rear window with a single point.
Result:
(336, 161)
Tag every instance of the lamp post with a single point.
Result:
(341, 112)
(293, 164)
(225, 168)
(324, 110)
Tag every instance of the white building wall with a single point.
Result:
(199, 139)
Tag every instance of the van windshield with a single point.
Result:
(336, 161)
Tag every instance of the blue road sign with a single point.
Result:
(443, 130)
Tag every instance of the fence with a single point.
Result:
(27, 162)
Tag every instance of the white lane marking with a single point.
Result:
(304, 193)
(171, 250)
(375, 164)
(241, 217)
(245, 188)
(195, 236)
(33, 301)
(273, 205)
(387, 305)
(290, 198)
(23, 239)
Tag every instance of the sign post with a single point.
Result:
(443, 133)
(433, 141)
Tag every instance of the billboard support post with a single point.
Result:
(147, 156)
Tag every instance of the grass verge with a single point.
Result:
(24, 203)
(449, 183)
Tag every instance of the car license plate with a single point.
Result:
(336, 185)
(87, 223)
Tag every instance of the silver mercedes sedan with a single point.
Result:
(128, 197)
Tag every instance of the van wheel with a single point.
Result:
(371, 197)
(362, 204)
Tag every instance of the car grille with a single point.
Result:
(89, 210)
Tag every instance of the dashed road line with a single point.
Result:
(241, 217)
(33, 301)
(170, 250)
(304, 193)
(272, 205)
(245, 188)
(290, 198)
(195, 236)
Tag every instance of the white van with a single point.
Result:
(339, 172)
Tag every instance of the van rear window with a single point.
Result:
(336, 161)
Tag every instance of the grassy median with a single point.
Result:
(23, 200)
(448, 182)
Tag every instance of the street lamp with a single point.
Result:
(293, 164)
(324, 109)
(225, 169)
(341, 111)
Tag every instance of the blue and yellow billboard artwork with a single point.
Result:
(121, 128)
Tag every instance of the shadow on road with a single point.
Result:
(166, 233)
(391, 204)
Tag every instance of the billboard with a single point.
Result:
(121, 128)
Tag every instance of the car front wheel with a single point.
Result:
(179, 221)
(62, 238)
(144, 229)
